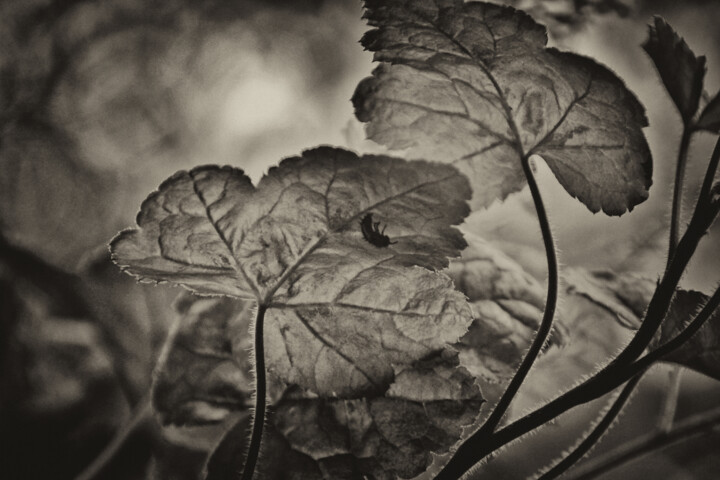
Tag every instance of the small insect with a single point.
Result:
(371, 232)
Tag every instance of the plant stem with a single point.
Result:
(594, 436)
(260, 398)
(677, 192)
(138, 416)
(670, 400)
(456, 467)
(550, 304)
(699, 424)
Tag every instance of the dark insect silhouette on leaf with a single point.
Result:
(371, 232)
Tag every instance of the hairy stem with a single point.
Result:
(260, 398)
(594, 436)
(550, 304)
(699, 424)
(670, 400)
(450, 470)
(139, 415)
(677, 192)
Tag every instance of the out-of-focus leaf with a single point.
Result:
(381, 437)
(341, 311)
(59, 400)
(507, 306)
(681, 72)
(710, 116)
(205, 371)
(702, 351)
(472, 83)
(135, 319)
(624, 295)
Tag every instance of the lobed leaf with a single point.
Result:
(681, 72)
(341, 312)
(473, 84)
(379, 437)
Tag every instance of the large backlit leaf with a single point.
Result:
(702, 351)
(473, 83)
(380, 437)
(341, 311)
(681, 72)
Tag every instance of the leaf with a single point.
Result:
(624, 295)
(205, 373)
(702, 351)
(135, 320)
(341, 311)
(681, 72)
(473, 84)
(380, 437)
(627, 296)
(710, 116)
(507, 305)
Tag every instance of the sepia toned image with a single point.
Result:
(359, 239)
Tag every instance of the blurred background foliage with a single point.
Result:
(102, 100)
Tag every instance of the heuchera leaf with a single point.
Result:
(681, 72)
(473, 83)
(375, 437)
(710, 116)
(702, 351)
(341, 311)
(507, 306)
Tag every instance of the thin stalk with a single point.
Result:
(550, 304)
(670, 399)
(450, 472)
(669, 405)
(677, 192)
(260, 398)
(595, 435)
(139, 415)
(700, 424)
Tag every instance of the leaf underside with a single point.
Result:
(473, 84)
(341, 311)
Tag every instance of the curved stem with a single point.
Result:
(138, 416)
(550, 304)
(594, 436)
(700, 424)
(260, 398)
(459, 464)
(677, 192)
